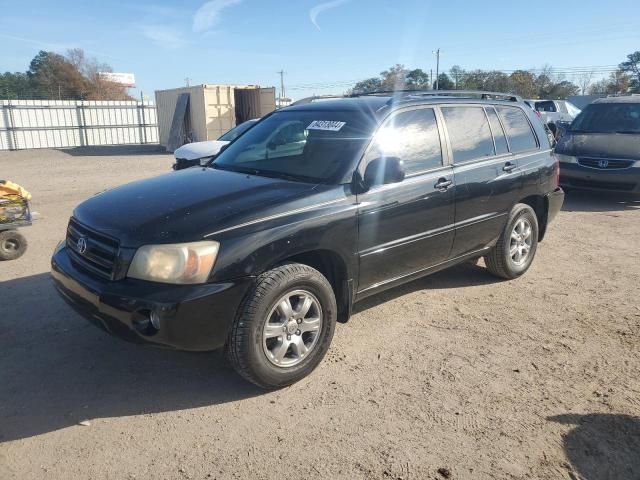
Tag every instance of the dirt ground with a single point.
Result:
(457, 375)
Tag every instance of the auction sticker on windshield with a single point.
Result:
(330, 125)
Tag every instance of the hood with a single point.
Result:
(600, 145)
(196, 150)
(186, 205)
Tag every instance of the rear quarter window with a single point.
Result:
(518, 128)
(498, 132)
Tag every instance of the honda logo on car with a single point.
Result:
(603, 163)
(81, 245)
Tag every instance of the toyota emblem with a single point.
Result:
(603, 163)
(81, 245)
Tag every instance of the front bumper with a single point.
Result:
(573, 175)
(192, 317)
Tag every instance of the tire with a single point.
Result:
(12, 245)
(262, 332)
(500, 260)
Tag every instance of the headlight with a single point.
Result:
(565, 158)
(181, 263)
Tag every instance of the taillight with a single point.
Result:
(557, 170)
(538, 113)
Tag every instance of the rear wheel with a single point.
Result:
(513, 253)
(284, 327)
(12, 245)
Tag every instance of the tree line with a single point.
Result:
(52, 76)
(543, 83)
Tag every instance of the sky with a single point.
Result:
(323, 46)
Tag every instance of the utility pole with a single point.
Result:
(187, 81)
(431, 79)
(437, 54)
(281, 73)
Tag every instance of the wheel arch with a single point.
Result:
(540, 206)
(334, 268)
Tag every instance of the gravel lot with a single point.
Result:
(457, 375)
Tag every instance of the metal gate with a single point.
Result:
(75, 123)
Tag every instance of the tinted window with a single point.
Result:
(519, 131)
(411, 136)
(469, 133)
(546, 106)
(608, 118)
(498, 132)
(309, 146)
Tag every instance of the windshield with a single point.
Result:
(572, 109)
(235, 132)
(309, 146)
(608, 118)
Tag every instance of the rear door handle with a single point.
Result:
(509, 167)
(443, 184)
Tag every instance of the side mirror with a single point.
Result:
(383, 170)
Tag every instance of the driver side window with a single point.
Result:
(412, 136)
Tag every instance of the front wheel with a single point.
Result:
(513, 253)
(284, 327)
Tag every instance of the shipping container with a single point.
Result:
(212, 109)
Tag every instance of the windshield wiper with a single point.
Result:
(628, 131)
(286, 176)
(264, 173)
(227, 168)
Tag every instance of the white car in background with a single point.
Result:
(553, 111)
(199, 153)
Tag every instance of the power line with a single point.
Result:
(557, 71)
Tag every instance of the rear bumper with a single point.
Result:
(573, 175)
(192, 317)
(555, 200)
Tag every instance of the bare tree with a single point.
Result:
(584, 81)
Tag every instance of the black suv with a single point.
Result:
(265, 248)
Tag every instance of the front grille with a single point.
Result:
(100, 251)
(605, 163)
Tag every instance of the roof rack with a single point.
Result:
(445, 93)
(311, 99)
(418, 93)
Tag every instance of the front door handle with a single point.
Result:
(509, 167)
(443, 184)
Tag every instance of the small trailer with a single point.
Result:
(14, 213)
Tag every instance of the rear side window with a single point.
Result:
(546, 107)
(469, 133)
(518, 129)
(498, 132)
(411, 136)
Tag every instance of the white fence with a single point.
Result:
(75, 123)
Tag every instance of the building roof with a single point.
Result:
(619, 99)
